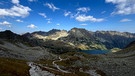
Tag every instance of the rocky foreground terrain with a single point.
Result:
(52, 54)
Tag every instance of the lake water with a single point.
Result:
(95, 51)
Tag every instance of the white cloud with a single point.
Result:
(57, 24)
(51, 6)
(125, 20)
(15, 1)
(124, 7)
(80, 15)
(15, 11)
(18, 20)
(32, 0)
(48, 22)
(67, 13)
(42, 14)
(83, 9)
(32, 26)
(84, 18)
(83, 24)
(5, 23)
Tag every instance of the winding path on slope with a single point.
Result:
(35, 70)
(58, 67)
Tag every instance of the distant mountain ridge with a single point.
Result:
(85, 39)
(54, 46)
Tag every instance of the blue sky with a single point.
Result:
(23, 16)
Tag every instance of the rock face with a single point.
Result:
(84, 39)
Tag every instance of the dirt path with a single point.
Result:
(35, 70)
(58, 67)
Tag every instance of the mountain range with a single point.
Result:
(86, 40)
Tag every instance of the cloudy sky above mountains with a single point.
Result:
(23, 16)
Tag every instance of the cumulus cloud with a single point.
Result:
(80, 15)
(42, 14)
(125, 20)
(15, 1)
(83, 9)
(51, 6)
(5, 23)
(18, 20)
(124, 7)
(83, 24)
(16, 10)
(32, 26)
(84, 18)
(67, 13)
